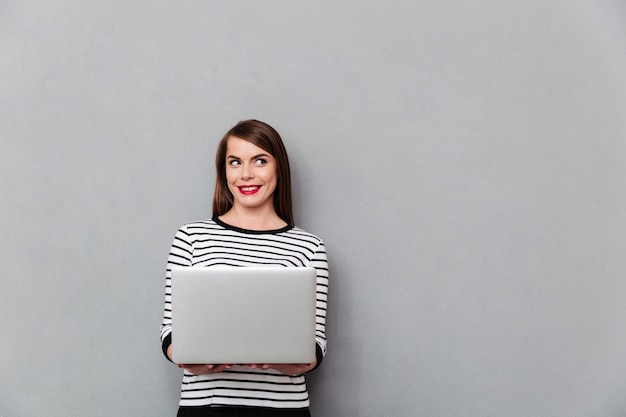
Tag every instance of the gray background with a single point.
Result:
(462, 160)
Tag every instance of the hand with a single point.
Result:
(292, 369)
(201, 369)
(204, 369)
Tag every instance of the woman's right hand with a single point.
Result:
(204, 369)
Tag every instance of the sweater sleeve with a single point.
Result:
(320, 262)
(180, 255)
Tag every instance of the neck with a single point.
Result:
(253, 219)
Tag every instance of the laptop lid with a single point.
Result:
(243, 315)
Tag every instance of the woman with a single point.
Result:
(251, 210)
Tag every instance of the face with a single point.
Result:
(250, 174)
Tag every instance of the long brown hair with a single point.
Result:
(267, 138)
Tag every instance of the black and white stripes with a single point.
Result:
(210, 243)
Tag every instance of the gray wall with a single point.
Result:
(463, 161)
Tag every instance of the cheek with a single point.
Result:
(230, 176)
(272, 183)
(274, 176)
(274, 186)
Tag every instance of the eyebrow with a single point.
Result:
(254, 157)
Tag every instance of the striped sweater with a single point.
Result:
(212, 242)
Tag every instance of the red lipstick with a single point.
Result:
(249, 189)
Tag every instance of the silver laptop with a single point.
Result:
(243, 315)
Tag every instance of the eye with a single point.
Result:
(260, 161)
(234, 162)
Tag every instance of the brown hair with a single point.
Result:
(267, 138)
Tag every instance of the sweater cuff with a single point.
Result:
(319, 355)
(166, 343)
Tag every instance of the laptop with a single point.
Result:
(243, 315)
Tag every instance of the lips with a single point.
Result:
(249, 189)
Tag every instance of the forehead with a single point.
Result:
(236, 146)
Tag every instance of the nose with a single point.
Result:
(247, 172)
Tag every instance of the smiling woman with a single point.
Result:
(255, 143)
(251, 179)
(252, 225)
